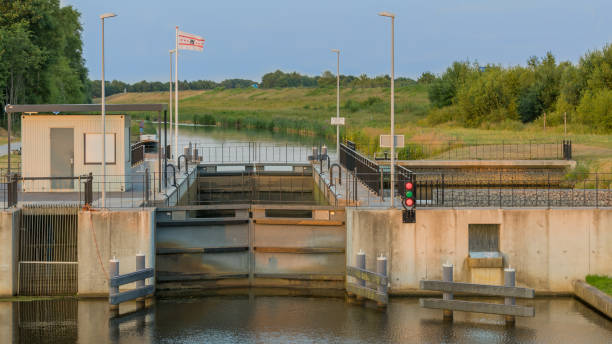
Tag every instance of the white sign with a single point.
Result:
(337, 120)
(385, 141)
(93, 148)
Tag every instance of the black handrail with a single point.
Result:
(173, 174)
(186, 163)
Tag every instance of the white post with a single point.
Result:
(392, 16)
(170, 102)
(103, 126)
(338, 105)
(392, 110)
(103, 95)
(176, 85)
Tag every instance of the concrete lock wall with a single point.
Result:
(9, 248)
(106, 234)
(549, 248)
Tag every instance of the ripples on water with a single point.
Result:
(292, 320)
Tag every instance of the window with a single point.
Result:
(93, 148)
(483, 237)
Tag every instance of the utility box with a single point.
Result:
(71, 145)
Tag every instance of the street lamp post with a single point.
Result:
(337, 51)
(170, 103)
(392, 16)
(102, 17)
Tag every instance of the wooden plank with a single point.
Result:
(304, 222)
(138, 314)
(202, 222)
(205, 207)
(478, 307)
(189, 250)
(366, 275)
(367, 293)
(300, 249)
(318, 277)
(132, 277)
(178, 277)
(116, 299)
(482, 289)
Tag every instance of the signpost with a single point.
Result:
(337, 120)
(385, 141)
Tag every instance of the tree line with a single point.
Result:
(277, 79)
(41, 58)
(476, 96)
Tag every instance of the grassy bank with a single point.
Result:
(603, 283)
(307, 111)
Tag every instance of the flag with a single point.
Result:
(187, 41)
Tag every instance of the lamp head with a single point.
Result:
(107, 15)
(335, 50)
(387, 14)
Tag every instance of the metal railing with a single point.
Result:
(480, 189)
(368, 172)
(137, 153)
(456, 150)
(248, 152)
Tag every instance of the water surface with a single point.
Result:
(265, 319)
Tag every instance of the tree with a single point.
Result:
(426, 78)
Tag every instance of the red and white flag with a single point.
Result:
(187, 41)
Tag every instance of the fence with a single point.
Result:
(137, 152)
(455, 150)
(248, 152)
(139, 276)
(509, 291)
(378, 280)
(48, 250)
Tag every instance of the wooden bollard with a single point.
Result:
(112, 272)
(140, 265)
(381, 268)
(510, 281)
(447, 276)
(361, 263)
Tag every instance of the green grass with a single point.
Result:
(307, 111)
(603, 283)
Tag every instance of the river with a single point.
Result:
(280, 319)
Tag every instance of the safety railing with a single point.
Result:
(248, 152)
(137, 153)
(456, 150)
(139, 276)
(368, 172)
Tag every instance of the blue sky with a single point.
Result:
(246, 39)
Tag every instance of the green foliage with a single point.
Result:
(484, 97)
(603, 283)
(41, 53)
(595, 110)
(426, 78)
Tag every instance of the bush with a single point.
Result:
(595, 110)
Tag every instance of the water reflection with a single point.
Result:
(265, 319)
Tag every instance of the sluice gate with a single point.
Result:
(48, 259)
(209, 247)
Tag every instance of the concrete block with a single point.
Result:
(9, 249)
(594, 297)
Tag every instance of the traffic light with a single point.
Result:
(409, 199)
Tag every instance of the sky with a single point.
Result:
(246, 39)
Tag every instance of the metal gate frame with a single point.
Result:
(48, 260)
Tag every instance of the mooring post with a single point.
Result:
(140, 265)
(447, 276)
(113, 271)
(361, 263)
(381, 268)
(510, 281)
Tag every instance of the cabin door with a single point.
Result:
(62, 157)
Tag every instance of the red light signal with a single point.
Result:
(409, 202)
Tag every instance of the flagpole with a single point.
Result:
(170, 102)
(176, 97)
